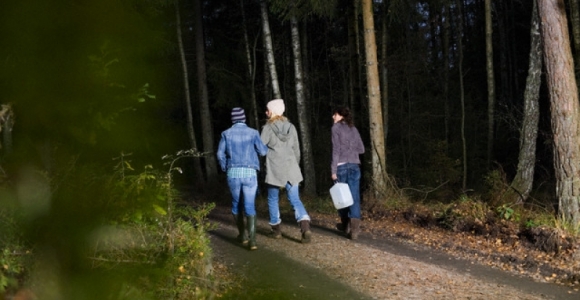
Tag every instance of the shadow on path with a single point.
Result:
(270, 275)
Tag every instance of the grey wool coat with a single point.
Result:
(282, 160)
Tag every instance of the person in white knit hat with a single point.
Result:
(283, 168)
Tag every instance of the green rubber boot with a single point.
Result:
(242, 236)
(251, 223)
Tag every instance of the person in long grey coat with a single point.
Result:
(283, 169)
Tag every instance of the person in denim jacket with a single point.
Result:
(344, 167)
(283, 169)
(237, 154)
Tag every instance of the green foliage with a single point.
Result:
(189, 266)
(497, 184)
(507, 213)
(14, 254)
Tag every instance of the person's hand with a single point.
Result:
(334, 177)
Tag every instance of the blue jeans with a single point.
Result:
(294, 198)
(350, 174)
(248, 187)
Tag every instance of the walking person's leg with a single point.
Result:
(235, 186)
(299, 211)
(249, 188)
(353, 181)
(274, 211)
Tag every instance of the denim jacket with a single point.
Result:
(239, 148)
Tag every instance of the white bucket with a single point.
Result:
(341, 196)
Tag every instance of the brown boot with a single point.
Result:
(306, 233)
(242, 236)
(344, 225)
(276, 232)
(354, 228)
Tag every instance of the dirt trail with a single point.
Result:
(333, 267)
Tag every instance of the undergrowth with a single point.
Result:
(126, 234)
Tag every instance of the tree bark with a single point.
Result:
(523, 181)
(462, 89)
(206, 124)
(446, 47)
(190, 128)
(269, 50)
(564, 107)
(303, 120)
(490, 81)
(384, 74)
(379, 169)
(251, 59)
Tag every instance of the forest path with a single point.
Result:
(333, 267)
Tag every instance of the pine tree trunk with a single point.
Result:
(190, 129)
(251, 59)
(379, 170)
(384, 74)
(522, 184)
(269, 50)
(563, 107)
(462, 89)
(303, 120)
(206, 123)
(446, 47)
(490, 81)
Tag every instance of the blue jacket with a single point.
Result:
(239, 148)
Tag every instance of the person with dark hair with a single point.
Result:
(237, 154)
(347, 145)
(283, 169)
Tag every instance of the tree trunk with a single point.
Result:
(354, 60)
(522, 184)
(462, 90)
(490, 81)
(379, 170)
(384, 74)
(303, 120)
(563, 107)
(251, 59)
(190, 129)
(207, 127)
(446, 47)
(269, 50)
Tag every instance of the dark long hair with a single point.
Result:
(344, 112)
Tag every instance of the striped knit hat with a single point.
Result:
(238, 115)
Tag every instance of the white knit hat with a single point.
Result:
(276, 107)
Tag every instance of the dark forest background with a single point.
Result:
(77, 72)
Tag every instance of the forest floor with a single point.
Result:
(403, 255)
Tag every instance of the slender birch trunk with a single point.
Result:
(522, 184)
(190, 128)
(269, 50)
